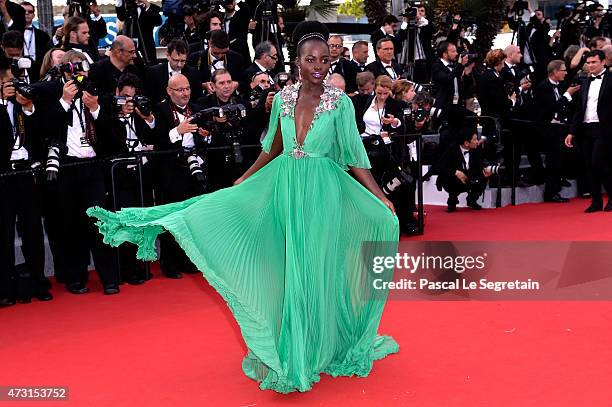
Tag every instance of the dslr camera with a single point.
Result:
(141, 103)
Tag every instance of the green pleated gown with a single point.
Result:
(283, 249)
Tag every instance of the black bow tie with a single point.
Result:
(29, 29)
(466, 152)
(593, 77)
(180, 110)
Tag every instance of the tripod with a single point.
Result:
(133, 26)
(408, 54)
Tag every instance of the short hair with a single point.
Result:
(596, 53)
(595, 40)
(494, 57)
(336, 77)
(218, 72)
(389, 19)
(72, 54)
(129, 79)
(364, 77)
(336, 36)
(443, 47)
(554, 66)
(384, 81)
(359, 44)
(12, 39)
(27, 3)
(219, 39)
(380, 42)
(179, 46)
(466, 133)
(263, 48)
(400, 87)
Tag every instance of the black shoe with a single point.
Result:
(173, 274)
(77, 288)
(25, 300)
(556, 198)
(565, 183)
(7, 302)
(474, 205)
(111, 289)
(451, 208)
(595, 207)
(134, 280)
(608, 207)
(43, 296)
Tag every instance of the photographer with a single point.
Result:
(22, 149)
(75, 116)
(158, 75)
(598, 23)
(236, 23)
(461, 169)
(12, 17)
(228, 129)
(534, 42)
(180, 175)
(551, 115)
(388, 30)
(77, 38)
(264, 61)
(106, 72)
(140, 18)
(206, 24)
(265, 21)
(36, 42)
(217, 56)
(130, 129)
(12, 47)
(418, 46)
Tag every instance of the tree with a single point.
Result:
(352, 8)
(375, 10)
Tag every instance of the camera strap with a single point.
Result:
(174, 109)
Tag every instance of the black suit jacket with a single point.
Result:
(443, 78)
(424, 34)
(378, 69)
(41, 45)
(492, 95)
(378, 35)
(392, 106)
(115, 134)
(546, 103)
(106, 75)
(147, 20)
(245, 77)
(238, 32)
(157, 81)
(200, 61)
(348, 70)
(17, 15)
(604, 105)
(452, 160)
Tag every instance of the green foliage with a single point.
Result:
(353, 8)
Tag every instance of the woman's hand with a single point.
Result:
(388, 204)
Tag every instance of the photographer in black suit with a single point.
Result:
(12, 17)
(265, 59)
(553, 106)
(158, 75)
(388, 29)
(75, 116)
(130, 128)
(180, 174)
(106, 72)
(461, 169)
(591, 125)
(148, 17)
(236, 24)
(22, 148)
(36, 42)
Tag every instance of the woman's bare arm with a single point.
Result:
(364, 176)
(264, 158)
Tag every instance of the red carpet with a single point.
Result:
(174, 343)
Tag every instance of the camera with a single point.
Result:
(471, 57)
(520, 6)
(231, 130)
(19, 66)
(281, 79)
(140, 102)
(25, 89)
(84, 84)
(56, 150)
(195, 163)
(395, 178)
(411, 8)
(258, 94)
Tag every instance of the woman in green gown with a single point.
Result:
(283, 247)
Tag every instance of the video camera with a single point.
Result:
(410, 8)
(231, 129)
(258, 94)
(78, 8)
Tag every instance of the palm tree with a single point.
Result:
(376, 10)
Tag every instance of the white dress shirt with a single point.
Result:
(76, 139)
(590, 114)
(466, 157)
(19, 152)
(29, 43)
(187, 138)
(172, 72)
(455, 83)
(373, 120)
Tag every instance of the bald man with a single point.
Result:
(175, 131)
(510, 71)
(106, 72)
(338, 81)
(607, 49)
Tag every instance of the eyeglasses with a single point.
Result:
(131, 52)
(178, 61)
(181, 90)
(339, 46)
(274, 57)
(29, 11)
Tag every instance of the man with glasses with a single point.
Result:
(36, 42)
(175, 178)
(106, 72)
(158, 75)
(265, 59)
(340, 65)
(217, 56)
